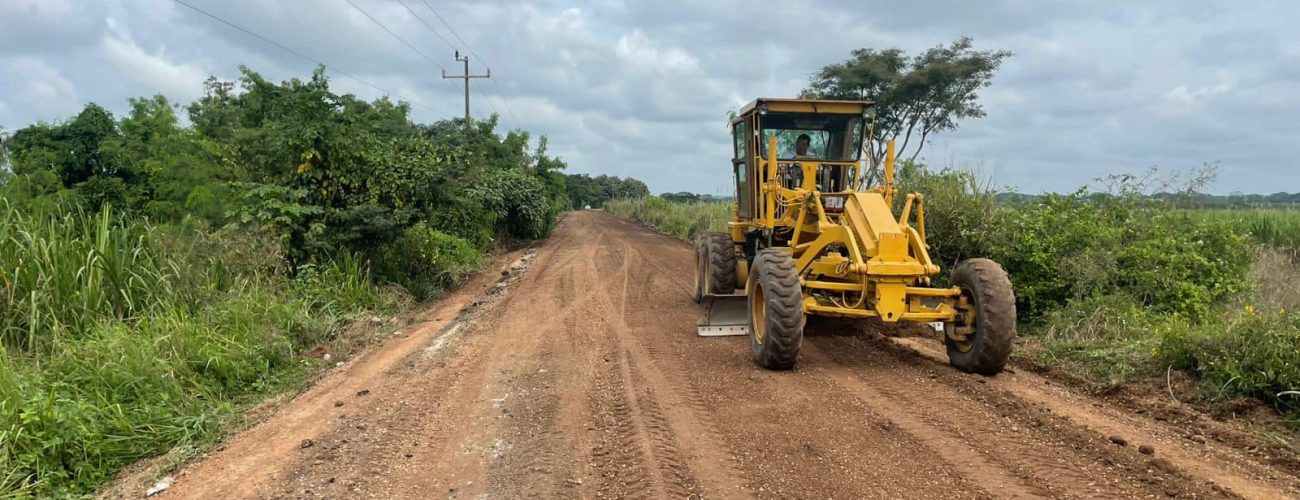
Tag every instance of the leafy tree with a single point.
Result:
(915, 96)
(71, 150)
(681, 197)
(214, 114)
(167, 170)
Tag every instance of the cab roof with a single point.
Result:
(828, 106)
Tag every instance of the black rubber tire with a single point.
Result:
(988, 287)
(721, 252)
(774, 283)
(701, 265)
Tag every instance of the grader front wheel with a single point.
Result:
(776, 317)
(719, 271)
(989, 309)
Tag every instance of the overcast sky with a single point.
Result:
(643, 88)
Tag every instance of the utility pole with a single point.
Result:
(466, 77)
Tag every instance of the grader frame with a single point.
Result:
(814, 235)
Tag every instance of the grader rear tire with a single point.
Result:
(987, 287)
(720, 253)
(776, 317)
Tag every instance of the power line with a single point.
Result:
(445, 42)
(505, 101)
(481, 60)
(309, 58)
(453, 33)
(400, 39)
(431, 30)
(490, 97)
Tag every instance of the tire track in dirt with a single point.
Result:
(1030, 460)
(686, 414)
(1219, 466)
(659, 467)
(950, 445)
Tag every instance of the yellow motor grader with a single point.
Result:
(813, 232)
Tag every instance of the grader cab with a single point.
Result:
(814, 232)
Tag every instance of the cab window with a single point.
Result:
(740, 166)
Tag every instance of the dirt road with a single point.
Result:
(581, 376)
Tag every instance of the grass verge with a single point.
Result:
(122, 340)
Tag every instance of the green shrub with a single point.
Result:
(1249, 353)
(467, 220)
(426, 262)
(1180, 264)
(1107, 339)
(520, 201)
(1251, 347)
(960, 210)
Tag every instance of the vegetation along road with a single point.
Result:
(576, 372)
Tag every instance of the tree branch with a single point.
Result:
(924, 133)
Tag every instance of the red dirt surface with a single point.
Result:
(581, 376)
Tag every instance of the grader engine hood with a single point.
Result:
(880, 238)
(885, 246)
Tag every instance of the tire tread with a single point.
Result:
(775, 272)
(721, 259)
(995, 325)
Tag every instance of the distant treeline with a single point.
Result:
(1183, 200)
(587, 191)
(1197, 200)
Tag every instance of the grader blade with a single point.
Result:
(723, 316)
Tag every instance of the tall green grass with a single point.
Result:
(1276, 228)
(683, 220)
(121, 340)
(62, 272)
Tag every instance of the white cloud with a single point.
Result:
(42, 82)
(182, 82)
(642, 88)
(640, 53)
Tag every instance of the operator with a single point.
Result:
(801, 145)
(794, 174)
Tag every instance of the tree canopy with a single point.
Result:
(916, 96)
(328, 172)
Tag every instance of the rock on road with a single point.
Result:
(581, 376)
